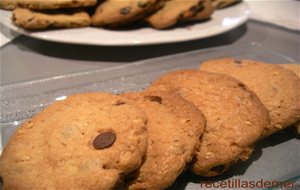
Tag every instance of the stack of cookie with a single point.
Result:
(160, 14)
(201, 120)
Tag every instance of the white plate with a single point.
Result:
(222, 21)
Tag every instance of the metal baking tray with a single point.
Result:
(274, 159)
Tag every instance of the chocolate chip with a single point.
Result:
(1, 180)
(219, 169)
(197, 9)
(154, 99)
(104, 140)
(125, 10)
(142, 4)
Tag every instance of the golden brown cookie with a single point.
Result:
(175, 11)
(278, 88)
(112, 13)
(9, 4)
(87, 141)
(30, 19)
(202, 12)
(295, 67)
(55, 4)
(235, 117)
(174, 127)
(224, 3)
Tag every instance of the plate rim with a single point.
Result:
(243, 19)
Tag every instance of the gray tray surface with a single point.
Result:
(275, 158)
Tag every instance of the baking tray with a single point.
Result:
(274, 159)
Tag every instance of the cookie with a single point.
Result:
(295, 67)
(224, 3)
(87, 141)
(112, 13)
(201, 12)
(8, 4)
(235, 117)
(33, 20)
(174, 127)
(175, 11)
(277, 88)
(55, 4)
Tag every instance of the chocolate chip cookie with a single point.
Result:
(201, 12)
(174, 127)
(8, 4)
(30, 19)
(87, 141)
(55, 4)
(278, 88)
(175, 11)
(235, 117)
(112, 13)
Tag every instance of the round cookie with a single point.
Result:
(30, 19)
(113, 13)
(174, 127)
(235, 117)
(277, 88)
(175, 11)
(202, 12)
(87, 141)
(55, 4)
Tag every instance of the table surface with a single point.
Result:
(26, 59)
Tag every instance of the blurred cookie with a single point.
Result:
(277, 88)
(74, 143)
(235, 117)
(30, 19)
(174, 127)
(112, 13)
(55, 4)
(199, 13)
(8, 4)
(175, 11)
(224, 3)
